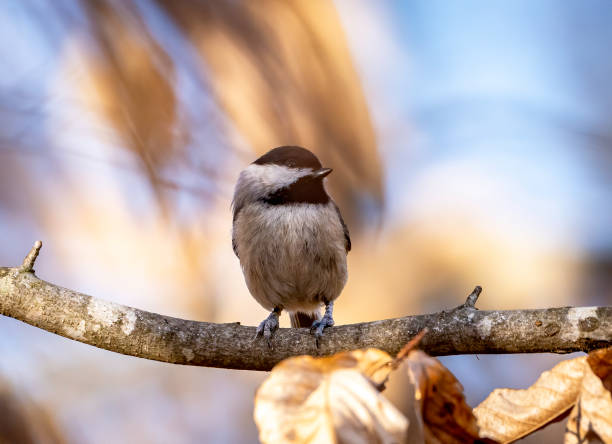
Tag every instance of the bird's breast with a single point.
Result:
(295, 229)
(291, 254)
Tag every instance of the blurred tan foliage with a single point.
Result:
(24, 422)
(133, 78)
(280, 70)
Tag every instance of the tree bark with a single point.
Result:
(126, 330)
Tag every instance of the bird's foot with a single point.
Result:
(320, 325)
(267, 327)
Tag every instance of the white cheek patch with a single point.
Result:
(257, 181)
(274, 177)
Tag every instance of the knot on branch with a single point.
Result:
(470, 302)
(473, 297)
(28, 262)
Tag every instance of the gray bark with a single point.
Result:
(122, 329)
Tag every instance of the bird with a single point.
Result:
(290, 238)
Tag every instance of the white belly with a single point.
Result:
(292, 258)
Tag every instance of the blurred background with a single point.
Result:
(471, 144)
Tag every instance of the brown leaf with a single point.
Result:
(600, 362)
(507, 415)
(446, 416)
(372, 362)
(328, 400)
(580, 384)
(591, 419)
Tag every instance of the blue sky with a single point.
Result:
(495, 89)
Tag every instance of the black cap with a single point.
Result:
(290, 156)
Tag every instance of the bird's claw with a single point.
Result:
(267, 327)
(319, 326)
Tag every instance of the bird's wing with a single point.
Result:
(236, 207)
(235, 247)
(347, 237)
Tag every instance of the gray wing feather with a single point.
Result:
(236, 210)
(235, 247)
(347, 237)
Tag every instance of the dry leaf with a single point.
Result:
(372, 362)
(591, 419)
(600, 362)
(581, 384)
(446, 416)
(328, 400)
(507, 415)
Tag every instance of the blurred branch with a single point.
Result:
(463, 330)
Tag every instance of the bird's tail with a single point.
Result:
(303, 320)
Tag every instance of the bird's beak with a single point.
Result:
(320, 173)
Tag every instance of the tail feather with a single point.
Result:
(303, 320)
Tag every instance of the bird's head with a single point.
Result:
(284, 175)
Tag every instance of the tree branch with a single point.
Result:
(463, 330)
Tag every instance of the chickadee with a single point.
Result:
(290, 238)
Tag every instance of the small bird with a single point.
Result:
(290, 238)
